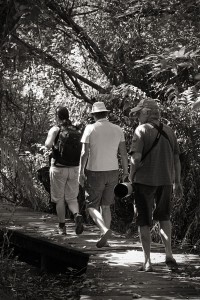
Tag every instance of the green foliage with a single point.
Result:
(18, 183)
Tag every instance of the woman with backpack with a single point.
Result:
(64, 139)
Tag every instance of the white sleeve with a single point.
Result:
(122, 138)
(86, 135)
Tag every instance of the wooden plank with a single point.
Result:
(112, 271)
(135, 296)
(113, 275)
(122, 297)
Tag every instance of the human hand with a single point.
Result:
(130, 178)
(125, 178)
(178, 190)
(81, 179)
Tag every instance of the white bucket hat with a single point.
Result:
(98, 107)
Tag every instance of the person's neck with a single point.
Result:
(101, 119)
(65, 123)
(154, 121)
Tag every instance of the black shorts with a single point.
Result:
(152, 203)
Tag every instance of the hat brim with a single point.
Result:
(95, 112)
(135, 109)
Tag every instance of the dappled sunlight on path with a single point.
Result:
(112, 272)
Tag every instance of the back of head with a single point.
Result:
(153, 114)
(149, 106)
(62, 114)
(99, 110)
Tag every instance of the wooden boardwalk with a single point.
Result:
(111, 271)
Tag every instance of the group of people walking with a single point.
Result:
(154, 171)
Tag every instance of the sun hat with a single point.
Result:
(98, 107)
(146, 103)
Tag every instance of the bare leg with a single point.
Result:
(165, 232)
(106, 214)
(73, 206)
(145, 238)
(60, 209)
(98, 219)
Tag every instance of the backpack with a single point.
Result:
(67, 146)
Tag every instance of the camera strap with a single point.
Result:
(160, 131)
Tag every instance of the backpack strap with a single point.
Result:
(159, 128)
(56, 138)
(53, 148)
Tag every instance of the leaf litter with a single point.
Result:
(22, 281)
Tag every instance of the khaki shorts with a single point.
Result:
(152, 203)
(64, 184)
(100, 187)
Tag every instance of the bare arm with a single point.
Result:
(124, 159)
(135, 162)
(178, 191)
(83, 161)
(51, 137)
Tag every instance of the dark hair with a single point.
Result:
(63, 115)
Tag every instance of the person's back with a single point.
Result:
(67, 146)
(104, 140)
(63, 174)
(158, 166)
(155, 167)
(101, 142)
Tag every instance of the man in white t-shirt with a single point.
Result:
(101, 143)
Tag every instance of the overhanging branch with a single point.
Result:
(79, 89)
(95, 52)
(56, 64)
(77, 86)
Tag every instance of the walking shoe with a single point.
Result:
(103, 240)
(79, 224)
(61, 230)
(171, 263)
(107, 244)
